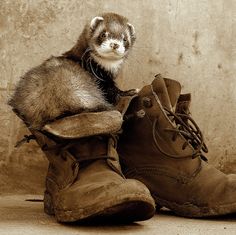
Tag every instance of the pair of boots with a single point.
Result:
(160, 149)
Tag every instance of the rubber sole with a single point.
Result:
(193, 211)
(128, 208)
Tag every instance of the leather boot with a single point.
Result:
(84, 179)
(164, 150)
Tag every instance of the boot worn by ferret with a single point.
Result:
(164, 150)
(84, 179)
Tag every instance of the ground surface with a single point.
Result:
(18, 216)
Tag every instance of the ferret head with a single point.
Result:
(110, 38)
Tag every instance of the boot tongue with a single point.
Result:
(159, 87)
(168, 91)
(174, 89)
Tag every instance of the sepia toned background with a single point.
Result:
(191, 41)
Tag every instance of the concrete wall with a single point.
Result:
(187, 40)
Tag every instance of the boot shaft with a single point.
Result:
(62, 169)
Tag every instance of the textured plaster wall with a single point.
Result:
(187, 40)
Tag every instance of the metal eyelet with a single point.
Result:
(140, 114)
(147, 102)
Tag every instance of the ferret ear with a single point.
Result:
(132, 30)
(95, 21)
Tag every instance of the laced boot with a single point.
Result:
(84, 179)
(164, 150)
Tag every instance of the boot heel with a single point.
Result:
(48, 205)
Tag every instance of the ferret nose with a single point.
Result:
(114, 45)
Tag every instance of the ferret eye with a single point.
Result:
(125, 39)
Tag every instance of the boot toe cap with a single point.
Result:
(127, 198)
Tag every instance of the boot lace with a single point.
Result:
(187, 128)
(190, 132)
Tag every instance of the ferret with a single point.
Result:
(80, 80)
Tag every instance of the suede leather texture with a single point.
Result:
(149, 153)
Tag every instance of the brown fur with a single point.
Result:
(85, 39)
(55, 87)
(60, 85)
